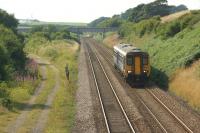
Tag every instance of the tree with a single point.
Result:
(3, 61)
(12, 55)
(160, 2)
(8, 20)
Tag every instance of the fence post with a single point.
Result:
(67, 71)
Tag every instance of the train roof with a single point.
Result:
(126, 48)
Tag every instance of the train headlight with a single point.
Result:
(145, 71)
(129, 72)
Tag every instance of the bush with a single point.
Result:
(172, 29)
(187, 21)
(12, 55)
(4, 96)
(173, 53)
(147, 26)
(8, 20)
(111, 22)
(126, 29)
(19, 94)
(139, 29)
(51, 52)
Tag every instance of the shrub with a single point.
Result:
(172, 29)
(51, 52)
(8, 20)
(12, 56)
(111, 22)
(147, 26)
(4, 96)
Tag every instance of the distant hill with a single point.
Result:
(97, 21)
(156, 8)
(138, 13)
(35, 22)
(22, 21)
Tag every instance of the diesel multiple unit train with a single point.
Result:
(132, 62)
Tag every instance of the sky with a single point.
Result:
(76, 10)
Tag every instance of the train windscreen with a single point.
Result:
(129, 60)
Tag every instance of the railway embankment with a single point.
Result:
(175, 112)
(174, 48)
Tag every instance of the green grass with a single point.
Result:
(39, 103)
(60, 53)
(19, 94)
(171, 54)
(171, 45)
(174, 49)
(63, 109)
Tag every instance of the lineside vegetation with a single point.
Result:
(172, 46)
(59, 52)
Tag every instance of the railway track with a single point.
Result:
(115, 117)
(171, 119)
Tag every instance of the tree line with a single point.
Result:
(12, 56)
(138, 13)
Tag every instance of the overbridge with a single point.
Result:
(80, 30)
(77, 30)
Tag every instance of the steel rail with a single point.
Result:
(115, 94)
(154, 117)
(159, 101)
(99, 95)
(170, 112)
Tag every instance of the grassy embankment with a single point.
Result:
(173, 47)
(59, 53)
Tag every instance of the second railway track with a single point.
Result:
(172, 120)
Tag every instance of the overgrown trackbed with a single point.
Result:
(42, 117)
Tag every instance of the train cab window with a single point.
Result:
(129, 60)
(145, 60)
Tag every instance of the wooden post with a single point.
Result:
(67, 71)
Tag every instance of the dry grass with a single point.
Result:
(174, 16)
(112, 40)
(186, 84)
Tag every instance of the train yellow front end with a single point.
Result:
(133, 63)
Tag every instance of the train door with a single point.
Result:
(137, 64)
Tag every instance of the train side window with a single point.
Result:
(145, 60)
(129, 60)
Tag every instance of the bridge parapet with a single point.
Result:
(91, 29)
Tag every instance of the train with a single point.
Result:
(132, 62)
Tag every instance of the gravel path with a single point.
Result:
(84, 119)
(14, 126)
(41, 122)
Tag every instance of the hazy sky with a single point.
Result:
(76, 10)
